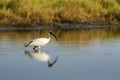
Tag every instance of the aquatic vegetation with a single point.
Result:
(41, 12)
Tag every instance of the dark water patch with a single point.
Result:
(60, 27)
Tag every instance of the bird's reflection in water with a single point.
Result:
(41, 56)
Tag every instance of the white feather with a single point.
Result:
(40, 42)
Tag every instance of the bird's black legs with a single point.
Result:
(34, 47)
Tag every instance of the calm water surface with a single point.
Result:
(80, 55)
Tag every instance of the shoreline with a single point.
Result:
(62, 27)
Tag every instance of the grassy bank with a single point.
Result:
(41, 12)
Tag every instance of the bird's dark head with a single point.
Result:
(51, 64)
(53, 35)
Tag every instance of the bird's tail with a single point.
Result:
(27, 43)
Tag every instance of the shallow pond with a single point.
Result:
(92, 54)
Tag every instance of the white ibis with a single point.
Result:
(40, 41)
(41, 56)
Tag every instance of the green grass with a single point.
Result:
(40, 12)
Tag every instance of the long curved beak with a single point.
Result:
(54, 36)
(51, 64)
